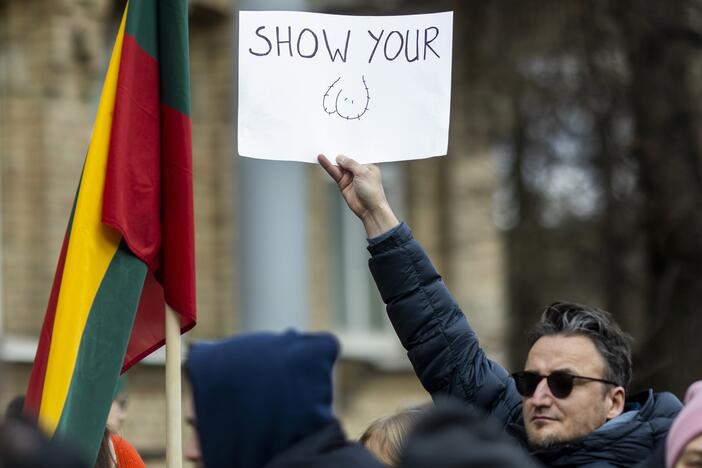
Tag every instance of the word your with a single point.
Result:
(395, 44)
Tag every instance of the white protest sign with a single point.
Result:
(375, 88)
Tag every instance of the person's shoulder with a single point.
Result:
(666, 404)
(653, 405)
(127, 455)
(353, 454)
(668, 398)
(347, 455)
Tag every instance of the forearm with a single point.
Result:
(444, 350)
(379, 220)
(409, 285)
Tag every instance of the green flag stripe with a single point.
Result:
(173, 54)
(161, 30)
(142, 24)
(102, 349)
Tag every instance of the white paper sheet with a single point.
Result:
(375, 88)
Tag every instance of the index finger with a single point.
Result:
(334, 171)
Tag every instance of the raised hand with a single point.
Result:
(362, 189)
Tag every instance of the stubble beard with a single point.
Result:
(547, 442)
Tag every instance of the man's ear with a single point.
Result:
(616, 399)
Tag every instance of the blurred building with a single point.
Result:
(294, 257)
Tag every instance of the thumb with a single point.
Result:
(349, 164)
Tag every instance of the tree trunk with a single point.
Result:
(671, 181)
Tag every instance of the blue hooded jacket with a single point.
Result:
(259, 395)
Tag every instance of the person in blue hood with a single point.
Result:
(569, 405)
(265, 400)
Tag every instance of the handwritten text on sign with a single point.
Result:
(375, 88)
(307, 44)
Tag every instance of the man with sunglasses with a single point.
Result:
(569, 405)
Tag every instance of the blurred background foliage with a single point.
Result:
(593, 109)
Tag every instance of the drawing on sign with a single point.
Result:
(348, 102)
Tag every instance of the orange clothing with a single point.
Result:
(127, 456)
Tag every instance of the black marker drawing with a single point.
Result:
(348, 102)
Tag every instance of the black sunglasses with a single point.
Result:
(560, 383)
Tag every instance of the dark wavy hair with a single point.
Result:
(571, 319)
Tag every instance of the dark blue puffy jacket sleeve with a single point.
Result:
(440, 343)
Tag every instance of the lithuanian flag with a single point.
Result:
(128, 248)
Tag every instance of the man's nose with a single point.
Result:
(542, 395)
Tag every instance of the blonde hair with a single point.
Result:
(385, 437)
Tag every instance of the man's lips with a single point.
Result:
(542, 419)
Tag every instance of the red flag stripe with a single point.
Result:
(36, 382)
(132, 200)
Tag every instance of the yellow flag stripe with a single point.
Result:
(91, 247)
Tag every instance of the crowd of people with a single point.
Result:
(264, 400)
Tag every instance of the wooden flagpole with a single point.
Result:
(174, 450)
